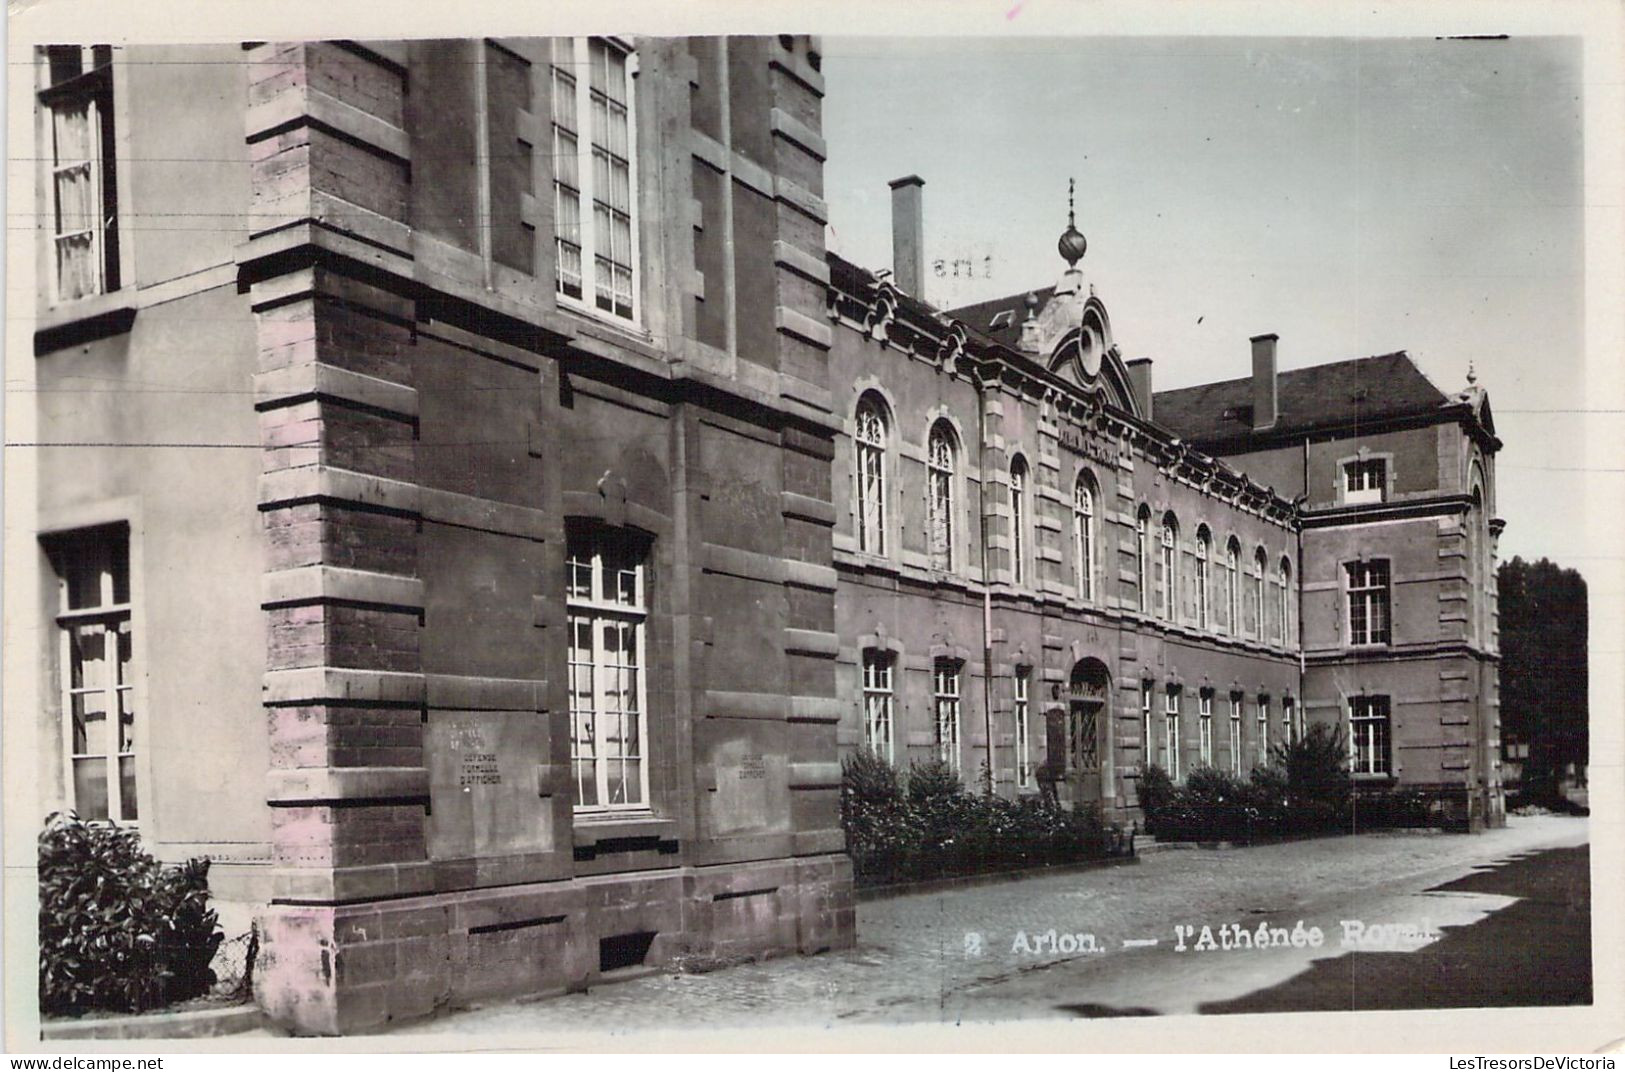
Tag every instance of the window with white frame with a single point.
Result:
(1018, 519)
(1168, 570)
(1235, 732)
(594, 175)
(1289, 720)
(869, 439)
(1142, 558)
(945, 675)
(1368, 588)
(879, 704)
(1284, 625)
(1260, 568)
(1365, 480)
(1170, 731)
(1205, 700)
(1232, 585)
(1204, 551)
(99, 725)
(1083, 533)
(1369, 739)
(941, 456)
(606, 597)
(1147, 755)
(77, 100)
(1264, 730)
(1024, 761)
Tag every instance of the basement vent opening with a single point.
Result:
(735, 895)
(624, 950)
(515, 925)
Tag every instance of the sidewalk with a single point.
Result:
(929, 957)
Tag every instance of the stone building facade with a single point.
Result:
(476, 511)
(472, 600)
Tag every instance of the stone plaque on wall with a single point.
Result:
(484, 797)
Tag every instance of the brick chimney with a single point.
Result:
(1139, 381)
(1264, 395)
(908, 235)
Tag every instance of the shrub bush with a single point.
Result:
(118, 930)
(1318, 787)
(1305, 789)
(1156, 792)
(934, 828)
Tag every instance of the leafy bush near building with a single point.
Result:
(1305, 789)
(117, 929)
(926, 826)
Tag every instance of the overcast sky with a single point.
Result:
(1356, 196)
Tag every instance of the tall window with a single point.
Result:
(1142, 558)
(1284, 625)
(879, 704)
(1365, 481)
(607, 602)
(946, 686)
(1167, 569)
(1146, 739)
(869, 438)
(1170, 731)
(1368, 735)
(1368, 602)
(1290, 731)
(940, 458)
(1018, 519)
(1083, 530)
(1260, 568)
(1235, 732)
(1024, 760)
(98, 701)
(78, 103)
(1204, 551)
(1264, 730)
(1206, 711)
(1232, 585)
(593, 149)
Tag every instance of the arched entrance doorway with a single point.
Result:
(1075, 735)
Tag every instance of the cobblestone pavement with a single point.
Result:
(913, 962)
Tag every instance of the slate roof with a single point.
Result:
(1366, 388)
(981, 315)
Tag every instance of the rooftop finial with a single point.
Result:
(1072, 244)
(1472, 373)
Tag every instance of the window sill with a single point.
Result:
(593, 827)
(84, 320)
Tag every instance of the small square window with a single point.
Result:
(1365, 481)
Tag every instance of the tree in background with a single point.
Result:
(1543, 670)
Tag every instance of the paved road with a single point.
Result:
(915, 963)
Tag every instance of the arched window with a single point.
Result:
(940, 459)
(1232, 586)
(1284, 628)
(1260, 568)
(869, 438)
(1018, 519)
(1083, 535)
(1142, 558)
(1204, 551)
(1168, 569)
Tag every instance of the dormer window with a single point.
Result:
(1002, 319)
(1365, 480)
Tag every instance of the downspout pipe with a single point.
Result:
(987, 584)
